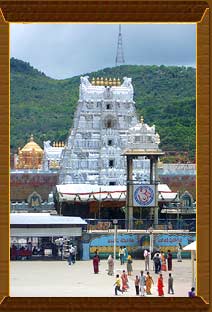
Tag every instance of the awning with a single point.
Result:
(87, 192)
(191, 246)
(43, 219)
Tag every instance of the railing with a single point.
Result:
(142, 224)
(14, 207)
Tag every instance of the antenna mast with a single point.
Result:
(120, 51)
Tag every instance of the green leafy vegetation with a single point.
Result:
(164, 95)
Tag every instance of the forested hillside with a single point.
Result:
(165, 96)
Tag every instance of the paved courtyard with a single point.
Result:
(58, 279)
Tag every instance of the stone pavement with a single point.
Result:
(58, 279)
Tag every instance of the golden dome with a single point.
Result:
(31, 145)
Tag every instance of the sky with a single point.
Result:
(65, 50)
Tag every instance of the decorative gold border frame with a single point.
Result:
(113, 11)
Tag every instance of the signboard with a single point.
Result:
(144, 195)
(122, 240)
(170, 241)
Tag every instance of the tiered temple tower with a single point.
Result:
(93, 153)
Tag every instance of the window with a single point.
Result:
(108, 106)
(112, 183)
(111, 163)
(109, 142)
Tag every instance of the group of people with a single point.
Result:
(110, 262)
(143, 284)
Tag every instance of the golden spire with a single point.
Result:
(110, 82)
(118, 82)
(93, 81)
(97, 81)
(114, 81)
(106, 81)
(142, 119)
(54, 144)
(102, 81)
(31, 138)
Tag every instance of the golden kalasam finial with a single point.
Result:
(93, 81)
(110, 82)
(118, 82)
(102, 81)
(97, 81)
(31, 138)
(142, 119)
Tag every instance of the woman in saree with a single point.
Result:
(129, 265)
(110, 262)
(96, 264)
(169, 260)
(124, 279)
(149, 283)
(160, 286)
(163, 262)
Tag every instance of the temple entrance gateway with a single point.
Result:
(142, 141)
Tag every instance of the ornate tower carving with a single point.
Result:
(104, 114)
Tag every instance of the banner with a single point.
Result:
(144, 195)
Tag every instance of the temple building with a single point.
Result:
(52, 155)
(93, 154)
(30, 156)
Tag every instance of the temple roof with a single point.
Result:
(31, 145)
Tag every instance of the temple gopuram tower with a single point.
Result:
(93, 153)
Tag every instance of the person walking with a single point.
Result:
(125, 254)
(146, 259)
(170, 284)
(179, 250)
(160, 286)
(169, 260)
(96, 263)
(110, 262)
(191, 293)
(129, 265)
(156, 260)
(124, 279)
(117, 285)
(137, 283)
(149, 283)
(71, 255)
(142, 283)
(121, 255)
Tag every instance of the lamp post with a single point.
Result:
(151, 246)
(115, 223)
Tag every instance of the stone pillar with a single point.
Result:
(151, 169)
(129, 192)
(156, 192)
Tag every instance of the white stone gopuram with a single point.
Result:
(94, 151)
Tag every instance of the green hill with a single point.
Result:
(164, 95)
